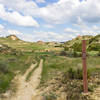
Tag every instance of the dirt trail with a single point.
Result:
(26, 90)
(96, 94)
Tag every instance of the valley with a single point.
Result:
(48, 70)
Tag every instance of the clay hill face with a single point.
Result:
(13, 37)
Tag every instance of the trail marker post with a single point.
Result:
(85, 83)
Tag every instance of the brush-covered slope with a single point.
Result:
(93, 43)
(4, 49)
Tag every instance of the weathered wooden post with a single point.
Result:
(85, 83)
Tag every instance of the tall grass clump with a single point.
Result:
(5, 77)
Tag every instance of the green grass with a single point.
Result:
(10, 65)
(58, 63)
(52, 64)
(15, 63)
(31, 72)
(93, 53)
(5, 80)
(71, 76)
(24, 46)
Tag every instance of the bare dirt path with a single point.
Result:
(96, 94)
(26, 90)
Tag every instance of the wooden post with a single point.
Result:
(85, 83)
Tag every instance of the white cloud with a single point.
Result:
(95, 27)
(47, 36)
(1, 27)
(70, 30)
(26, 7)
(85, 30)
(62, 11)
(53, 13)
(40, 1)
(6, 32)
(52, 36)
(17, 18)
(13, 32)
(37, 35)
(48, 26)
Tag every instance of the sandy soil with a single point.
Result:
(96, 94)
(27, 90)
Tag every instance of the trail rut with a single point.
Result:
(26, 90)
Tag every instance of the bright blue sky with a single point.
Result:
(49, 20)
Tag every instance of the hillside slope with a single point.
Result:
(15, 43)
(93, 43)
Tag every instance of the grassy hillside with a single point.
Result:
(93, 43)
(21, 45)
(26, 46)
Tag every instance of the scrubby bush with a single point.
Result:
(3, 68)
(77, 73)
(5, 80)
(5, 77)
(71, 54)
(66, 48)
(76, 54)
(94, 47)
(63, 53)
(77, 47)
(99, 53)
(71, 73)
(94, 39)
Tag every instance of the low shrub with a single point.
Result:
(77, 73)
(50, 96)
(99, 53)
(63, 53)
(76, 54)
(5, 77)
(77, 47)
(94, 47)
(71, 54)
(3, 68)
